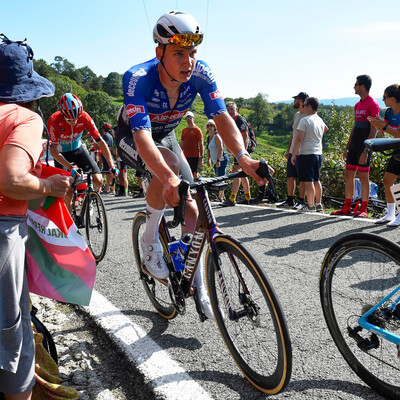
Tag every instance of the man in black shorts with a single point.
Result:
(356, 159)
(291, 173)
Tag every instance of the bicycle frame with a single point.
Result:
(206, 229)
(364, 323)
(80, 219)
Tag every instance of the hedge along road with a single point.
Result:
(290, 246)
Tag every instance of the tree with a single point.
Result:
(66, 68)
(101, 108)
(263, 112)
(240, 102)
(89, 79)
(43, 69)
(284, 117)
(112, 84)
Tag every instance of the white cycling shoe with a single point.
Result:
(205, 303)
(154, 260)
(385, 220)
(396, 222)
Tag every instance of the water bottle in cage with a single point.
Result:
(178, 251)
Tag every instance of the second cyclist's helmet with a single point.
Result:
(175, 23)
(70, 106)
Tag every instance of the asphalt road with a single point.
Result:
(290, 246)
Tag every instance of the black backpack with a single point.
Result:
(252, 138)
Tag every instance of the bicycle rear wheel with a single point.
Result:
(96, 225)
(156, 291)
(358, 271)
(252, 323)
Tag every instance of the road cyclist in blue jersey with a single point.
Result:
(157, 95)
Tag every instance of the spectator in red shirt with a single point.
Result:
(357, 160)
(192, 144)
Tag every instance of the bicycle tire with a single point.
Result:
(260, 346)
(358, 271)
(96, 225)
(157, 292)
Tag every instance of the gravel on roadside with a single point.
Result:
(88, 359)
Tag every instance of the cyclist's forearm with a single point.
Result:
(60, 158)
(106, 152)
(18, 183)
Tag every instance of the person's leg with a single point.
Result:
(291, 186)
(363, 175)
(235, 188)
(318, 192)
(27, 395)
(310, 193)
(97, 182)
(16, 338)
(236, 182)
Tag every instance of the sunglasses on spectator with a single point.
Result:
(384, 97)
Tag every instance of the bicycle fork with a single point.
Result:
(250, 308)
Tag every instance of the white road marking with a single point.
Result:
(167, 376)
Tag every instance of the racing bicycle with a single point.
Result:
(89, 212)
(244, 303)
(360, 297)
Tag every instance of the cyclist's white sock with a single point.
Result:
(199, 279)
(391, 207)
(153, 218)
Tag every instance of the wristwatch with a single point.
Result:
(385, 127)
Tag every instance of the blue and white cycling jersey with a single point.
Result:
(392, 120)
(147, 104)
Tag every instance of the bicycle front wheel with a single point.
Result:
(358, 271)
(156, 291)
(96, 226)
(249, 316)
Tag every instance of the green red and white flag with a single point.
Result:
(60, 264)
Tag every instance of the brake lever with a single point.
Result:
(77, 175)
(179, 211)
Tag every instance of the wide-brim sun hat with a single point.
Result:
(19, 83)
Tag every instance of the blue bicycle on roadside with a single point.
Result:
(360, 297)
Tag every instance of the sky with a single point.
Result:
(277, 48)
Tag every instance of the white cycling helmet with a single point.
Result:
(179, 28)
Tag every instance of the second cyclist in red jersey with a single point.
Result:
(65, 129)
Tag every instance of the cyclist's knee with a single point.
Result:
(97, 181)
(191, 215)
(171, 159)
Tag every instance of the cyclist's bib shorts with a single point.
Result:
(81, 158)
(356, 149)
(130, 156)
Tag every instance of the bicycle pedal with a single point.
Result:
(147, 272)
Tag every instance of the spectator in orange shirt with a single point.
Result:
(192, 144)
